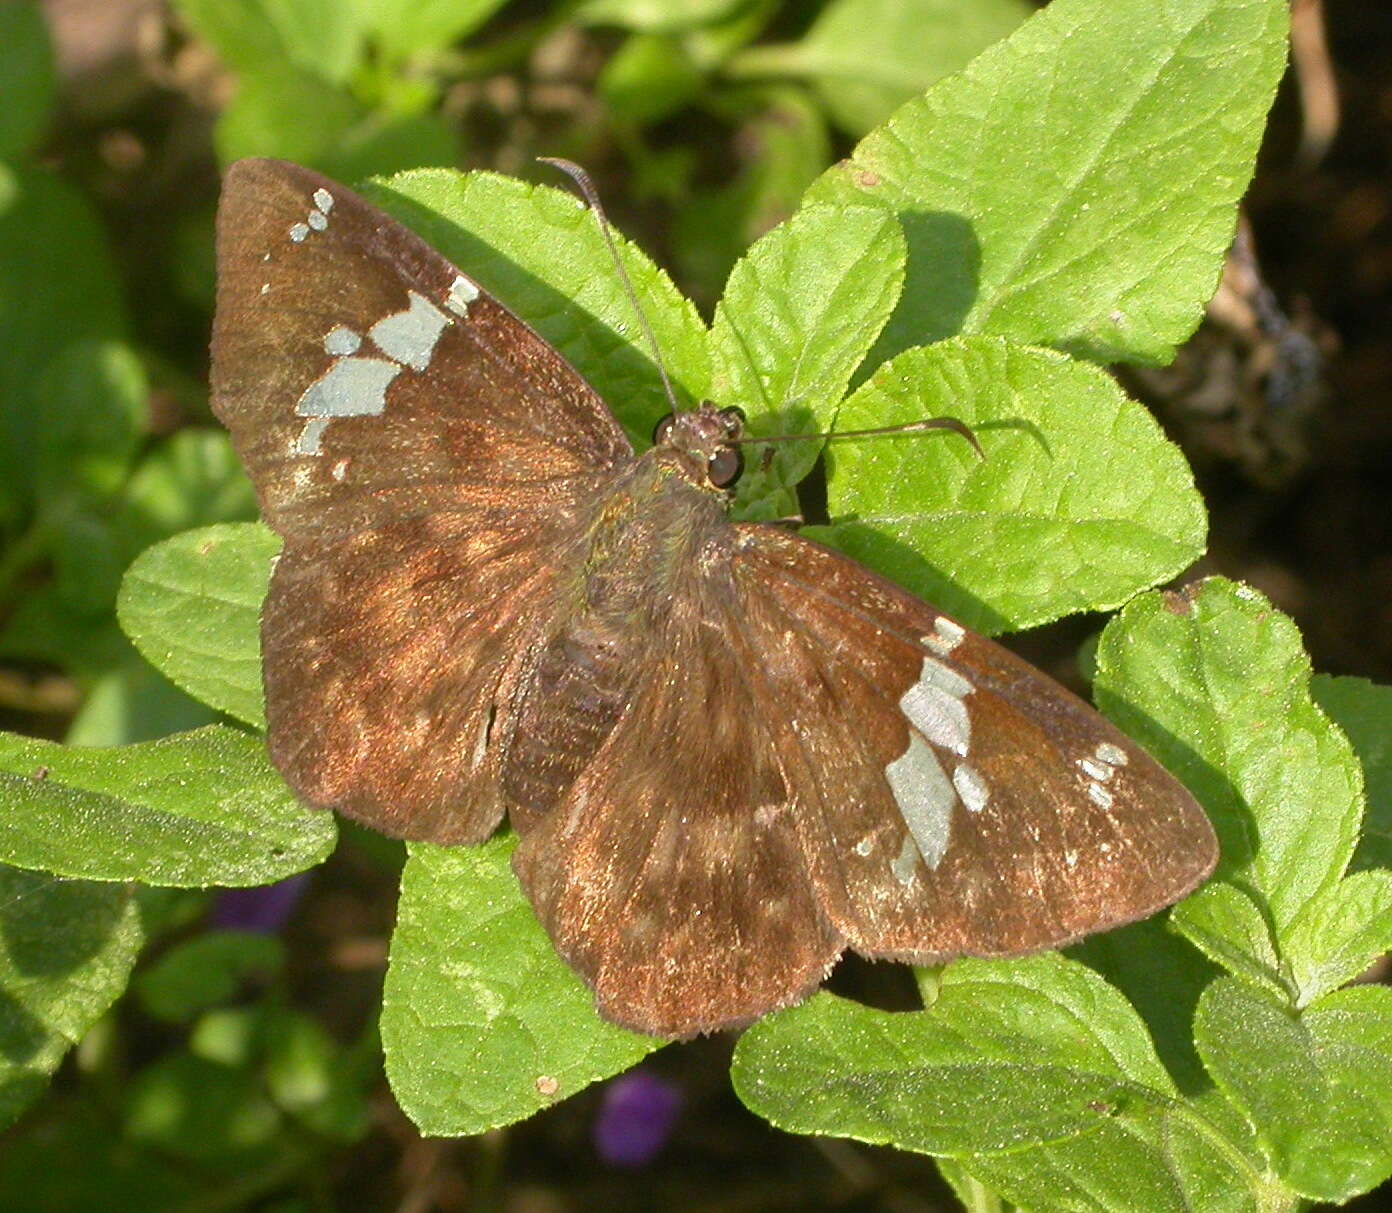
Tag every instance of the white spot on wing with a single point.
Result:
(1099, 796)
(946, 636)
(341, 341)
(1096, 770)
(410, 336)
(462, 292)
(905, 862)
(925, 797)
(340, 470)
(351, 387)
(298, 231)
(1112, 755)
(317, 220)
(935, 706)
(323, 200)
(308, 441)
(970, 787)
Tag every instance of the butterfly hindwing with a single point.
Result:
(950, 798)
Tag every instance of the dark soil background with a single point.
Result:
(1311, 527)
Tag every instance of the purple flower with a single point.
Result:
(635, 1119)
(262, 909)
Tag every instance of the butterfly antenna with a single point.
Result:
(587, 188)
(909, 427)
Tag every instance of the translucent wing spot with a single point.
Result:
(340, 470)
(1112, 755)
(1099, 796)
(970, 787)
(925, 797)
(299, 231)
(318, 220)
(341, 341)
(946, 636)
(462, 292)
(935, 705)
(904, 864)
(323, 200)
(409, 337)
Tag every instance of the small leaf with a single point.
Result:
(482, 1023)
(649, 78)
(28, 81)
(92, 413)
(407, 27)
(192, 810)
(1079, 503)
(192, 606)
(134, 703)
(800, 311)
(60, 286)
(267, 36)
(1310, 1108)
(1364, 711)
(191, 479)
(1215, 683)
(1075, 186)
(866, 57)
(541, 252)
(1340, 933)
(1228, 927)
(207, 970)
(213, 1114)
(66, 952)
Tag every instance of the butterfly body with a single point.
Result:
(729, 753)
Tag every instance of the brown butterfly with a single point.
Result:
(729, 753)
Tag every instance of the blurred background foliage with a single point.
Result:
(246, 1063)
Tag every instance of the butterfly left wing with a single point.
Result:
(429, 461)
(950, 799)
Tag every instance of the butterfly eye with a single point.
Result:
(734, 420)
(663, 429)
(725, 466)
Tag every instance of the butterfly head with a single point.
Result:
(702, 444)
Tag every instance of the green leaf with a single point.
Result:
(1326, 1134)
(482, 1023)
(192, 606)
(541, 252)
(800, 311)
(1364, 711)
(656, 16)
(301, 117)
(1230, 928)
(1352, 1034)
(407, 27)
(191, 479)
(1035, 1073)
(1079, 503)
(207, 970)
(134, 703)
(28, 80)
(66, 952)
(1215, 684)
(649, 78)
(57, 285)
(1076, 185)
(866, 57)
(319, 36)
(92, 413)
(197, 1109)
(322, 1085)
(1340, 933)
(192, 810)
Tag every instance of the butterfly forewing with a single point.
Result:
(951, 799)
(427, 459)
